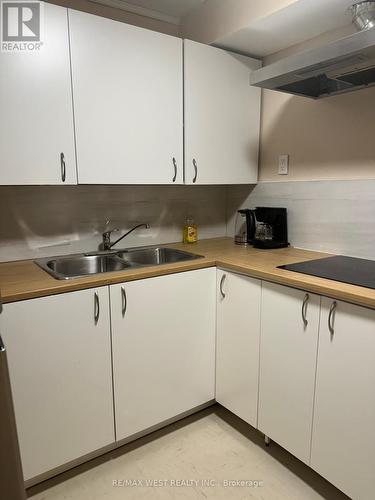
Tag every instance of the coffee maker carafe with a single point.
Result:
(245, 227)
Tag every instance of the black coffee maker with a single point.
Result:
(264, 227)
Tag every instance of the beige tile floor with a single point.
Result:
(212, 446)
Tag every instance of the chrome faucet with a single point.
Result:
(107, 245)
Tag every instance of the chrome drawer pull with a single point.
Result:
(331, 318)
(124, 301)
(195, 171)
(63, 167)
(304, 309)
(221, 285)
(96, 307)
(175, 170)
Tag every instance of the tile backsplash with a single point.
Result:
(330, 216)
(56, 220)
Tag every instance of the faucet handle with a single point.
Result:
(106, 244)
(108, 233)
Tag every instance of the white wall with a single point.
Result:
(46, 221)
(328, 216)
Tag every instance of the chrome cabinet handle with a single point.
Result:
(304, 309)
(63, 167)
(175, 169)
(2, 346)
(221, 285)
(195, 170)
(96, 307)
(331, 318)
(124, 301)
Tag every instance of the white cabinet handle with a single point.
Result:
(175, 169)
(195, 171)
(331, 318)
(304, 309)
(63, 167)
(221, 285)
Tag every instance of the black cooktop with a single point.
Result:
(350, 270)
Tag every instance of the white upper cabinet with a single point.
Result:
(163, 332)
(237, 344)
(222, 114)
(343, 440)
(289, 342)
(127, 87)
(36, 118)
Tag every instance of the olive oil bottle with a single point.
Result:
(190, 231)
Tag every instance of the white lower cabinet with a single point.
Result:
(287, 366)
(163, 332)
(237, 345)
(343, 442)
(59, 355)
(65, 383)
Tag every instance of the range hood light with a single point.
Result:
(364, 14)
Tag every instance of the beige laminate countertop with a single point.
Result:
(22, 280)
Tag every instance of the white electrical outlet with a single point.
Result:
(283, 164)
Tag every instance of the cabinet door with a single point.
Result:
(60, 371)
(36, 119)
(222, 113)
(127, 84)
(163, 348)
(237, 344)
(287, 366)
(343, 442)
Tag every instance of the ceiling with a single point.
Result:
(171, 11)
(296, 23)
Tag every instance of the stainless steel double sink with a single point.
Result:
(79, 265)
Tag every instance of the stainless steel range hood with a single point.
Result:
(342, 66)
